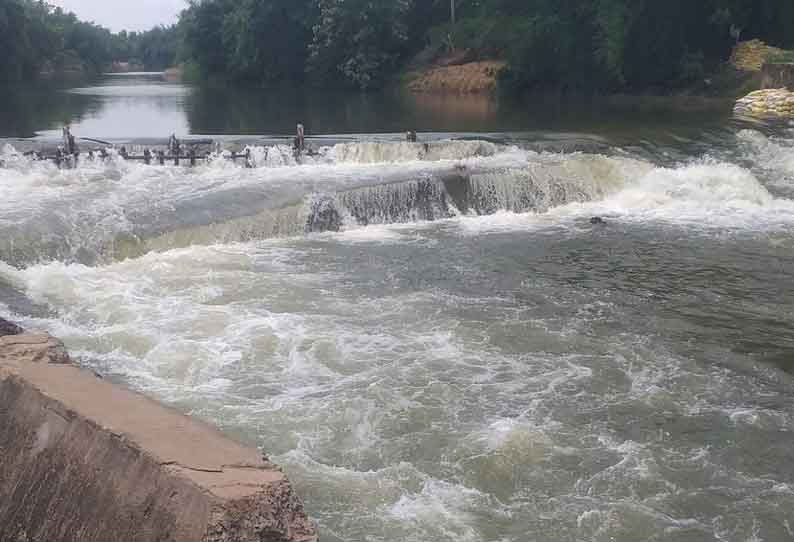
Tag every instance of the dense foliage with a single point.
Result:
(576, 45)
(338, 42)
(38, 38)
(587, 45)
(622, 44)
(250, 40)
(155, 49)
(359, 40)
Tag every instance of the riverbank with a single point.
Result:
(468, 78)
(753, 65)
(89, 461)
(482, 78)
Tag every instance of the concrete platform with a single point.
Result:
(84, 460)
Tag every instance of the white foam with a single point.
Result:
(380, 404)
(106, 195)
(378, 234)
(89, 208)
(443, 511)
(503, 221)
(510, 442)
(395, 409)
(760, 418)
(769, 153)
(379, 152)
(700, 186)
(384, 152)
(705, 195)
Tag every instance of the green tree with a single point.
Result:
(157, 48)
(359, 42)
(35, 36)
(202, 33)
(21, 57)
(265, 41)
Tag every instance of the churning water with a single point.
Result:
(434, 341)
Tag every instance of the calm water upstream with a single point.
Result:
(434, 341)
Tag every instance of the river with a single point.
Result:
(434, 341)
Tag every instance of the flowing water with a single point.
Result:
(433, 340)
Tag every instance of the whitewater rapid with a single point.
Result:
(465, 357)
(105, 210)
(109, 210)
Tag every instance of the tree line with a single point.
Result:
(575, 45)
(37, 38)
(570, 45)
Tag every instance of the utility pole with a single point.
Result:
(453, 19)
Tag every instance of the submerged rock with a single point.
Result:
(9, 328)
(323, 216)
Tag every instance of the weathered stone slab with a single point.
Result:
(33, 348)
(84, 460)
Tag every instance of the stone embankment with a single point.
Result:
(84, 460)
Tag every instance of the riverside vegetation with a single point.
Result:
(38, 39)
(568, 45)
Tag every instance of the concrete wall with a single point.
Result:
(83, 460)
(778, 76)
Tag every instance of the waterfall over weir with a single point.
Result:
(534, 188)
(424, 342)
(434, 340)
(102, 212)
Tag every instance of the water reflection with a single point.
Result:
(228, 110)
(223, 109)
(149, 105)
(130, 105)
(446, 109)
(26, 110)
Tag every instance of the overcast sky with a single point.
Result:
(124, 14)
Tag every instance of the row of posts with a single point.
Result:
(69, 152)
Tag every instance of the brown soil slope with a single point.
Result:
(470, 78)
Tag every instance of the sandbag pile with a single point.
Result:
(751, 55)
(771, 102)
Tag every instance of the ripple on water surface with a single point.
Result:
(504, 378)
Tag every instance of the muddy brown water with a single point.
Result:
(436, 342)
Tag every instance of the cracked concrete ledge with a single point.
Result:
(84, 460)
